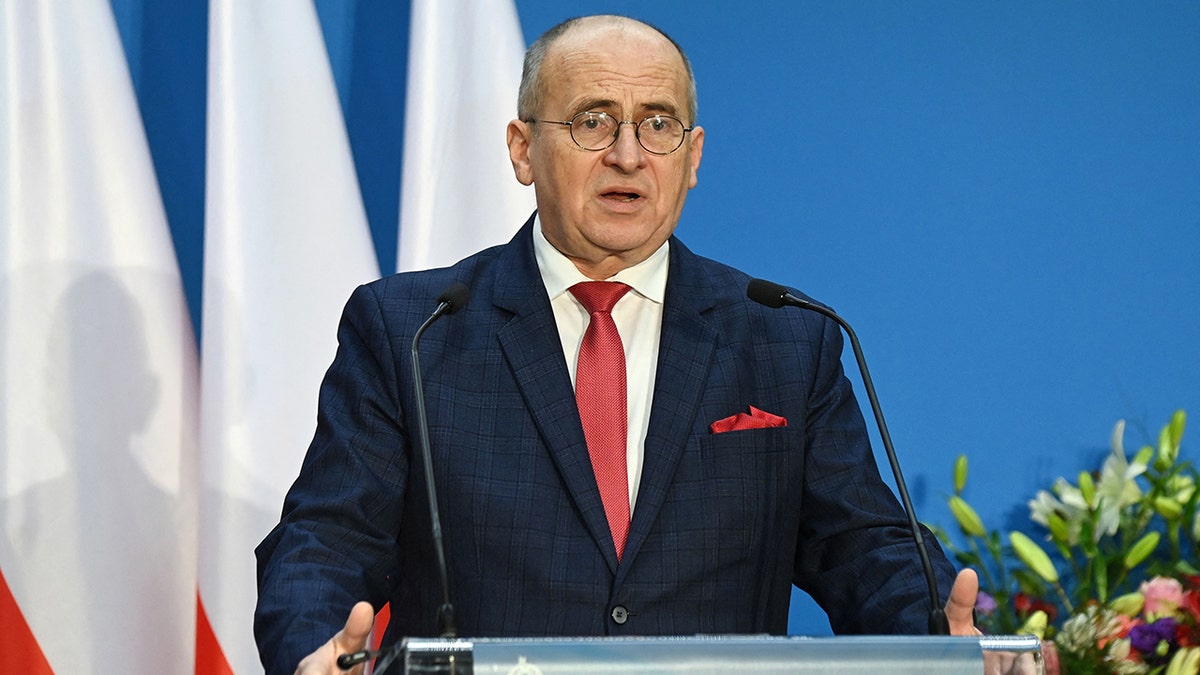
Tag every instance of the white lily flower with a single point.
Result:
(1070, 495)
(1117, 487)
(1042, 506)
(1045, 504)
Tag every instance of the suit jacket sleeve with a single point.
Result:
(337, 533)
(856, 555)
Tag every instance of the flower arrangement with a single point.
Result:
(1155, 629)
(1118, 591)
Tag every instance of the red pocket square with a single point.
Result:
(757, 419)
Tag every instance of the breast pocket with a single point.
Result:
(743, 486)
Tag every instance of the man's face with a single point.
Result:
(607, 209)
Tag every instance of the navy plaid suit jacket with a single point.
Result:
(723, 526)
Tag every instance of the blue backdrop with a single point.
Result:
(1004, 198)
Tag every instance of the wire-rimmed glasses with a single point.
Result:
(658, 134)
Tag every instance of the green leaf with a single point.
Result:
(995, 545)
(1030, 583)
(1033, 556)
(1064, 550)
(968, 558)
(1102, 583)
(960, 474)
(1087, 538)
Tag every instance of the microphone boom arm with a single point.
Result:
(447, 626)
(773, 295)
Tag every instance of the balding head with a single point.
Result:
(532, 94)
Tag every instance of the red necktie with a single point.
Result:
(600, 393)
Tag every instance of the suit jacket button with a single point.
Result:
(620, 614)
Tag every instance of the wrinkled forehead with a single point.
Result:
(616, 67)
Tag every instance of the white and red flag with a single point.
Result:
(97, 361)
(458, 193)
(286, 242)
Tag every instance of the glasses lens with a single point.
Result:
(593, 130)
(660, 134)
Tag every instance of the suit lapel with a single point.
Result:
(685, 354)
(533, 350)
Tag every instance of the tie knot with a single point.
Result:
(599, 296)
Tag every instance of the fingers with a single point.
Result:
(351, 638)
(960, 609)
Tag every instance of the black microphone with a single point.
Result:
(450, 301)
(773, 295)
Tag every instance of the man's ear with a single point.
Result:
(519, 137)
(694, 153)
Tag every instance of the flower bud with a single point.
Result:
(1059, 530)
(1033, 556)
(960, 474)
(967, 519)
(1185, 662)
(1141, 550)
(1144, 456)
(1167, 451)
(1178, 422)
(1182, 488)
(1129, 604)
(1087, 487)
(1168, 508)
(1035, 625)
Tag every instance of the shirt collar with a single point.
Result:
(647, 278)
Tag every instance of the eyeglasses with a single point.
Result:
(658, 134)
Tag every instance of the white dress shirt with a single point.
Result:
(638, 315)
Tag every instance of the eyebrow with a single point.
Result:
(603, 104)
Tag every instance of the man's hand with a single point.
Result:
(960, 613)
(350, 639)
(960, 609)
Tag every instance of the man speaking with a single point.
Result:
(623, 444)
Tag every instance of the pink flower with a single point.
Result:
(1163, 595)
(1125, 624)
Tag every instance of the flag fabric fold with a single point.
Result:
(286, 242)
(458, 193)
(98, 363)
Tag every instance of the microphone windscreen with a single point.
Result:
(455, 296)
(766, 293)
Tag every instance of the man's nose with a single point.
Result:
(627, 151)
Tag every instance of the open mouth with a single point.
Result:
(622, 196)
